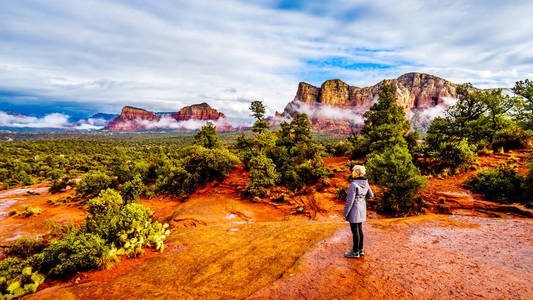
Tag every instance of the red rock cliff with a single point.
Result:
(133, 119)
(413, 91)
(129, 119)
(198, 112)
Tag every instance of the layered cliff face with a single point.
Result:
(131, 119)
(198, 112)
(336, 103)
(188, 118)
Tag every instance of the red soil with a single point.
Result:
(417, 258)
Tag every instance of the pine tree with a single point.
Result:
(394, 169)
(385, 125)
(258, 112)
(525, 115)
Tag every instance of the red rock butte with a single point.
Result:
(414, 91)
(132, 118)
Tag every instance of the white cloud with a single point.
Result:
(170, 123)
(162, 55)
(324, 111)
(55, 120)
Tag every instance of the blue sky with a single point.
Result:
(82, 57)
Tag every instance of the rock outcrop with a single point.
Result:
(137, 119)
(198, 112)
(131, 119)
(414, 91)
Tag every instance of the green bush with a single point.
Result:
(501, 184)
(59, 185)
(395, 170)
(10, 268)
(111, 229)
(104, 215)
(453, 154)
(79, 251)
(341, 194)
(127, 227)
(196, 166)
(27, 211)
(208, 164)
(25, 247)
(207, 137)
(177, 181)
(511, 137)
(17, 279)
(263, 175)
(338, 149)
(132, 190)
(92, 183)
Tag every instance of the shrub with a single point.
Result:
(59, 185)
(27, 211)
(453, 154)
(25, 247)
(207, 137)
(512, 137)
(10, 268)
(208, 164)
(197, 165)
(501, 184)
(263, 175)
(341, 194)
(75, 252)
(177, 182)
(312, 170)
(92, 183)
(104, 215)
(126, 228)
(17, 279)
(395, 170)
(132, 190)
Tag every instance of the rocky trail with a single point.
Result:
(224, 246)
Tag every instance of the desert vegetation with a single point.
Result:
(113, 228)
(109, 177)
(289, 157)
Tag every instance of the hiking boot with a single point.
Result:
(361, 252)
(351, 254)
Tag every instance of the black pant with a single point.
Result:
(357, 231)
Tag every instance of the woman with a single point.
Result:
(355, 209)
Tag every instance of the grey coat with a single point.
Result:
(358, 193)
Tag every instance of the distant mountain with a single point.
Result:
(103, 116)
(188, 118)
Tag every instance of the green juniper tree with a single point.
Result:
(478, 119)
(207, 137)
(258, 112)
(525, 114)
(386, 136)
(132, 190)
(385, 125)
(394, 169)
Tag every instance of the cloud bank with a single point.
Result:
(53, 121)
(324, 111)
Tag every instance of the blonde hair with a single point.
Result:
(358, 171)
